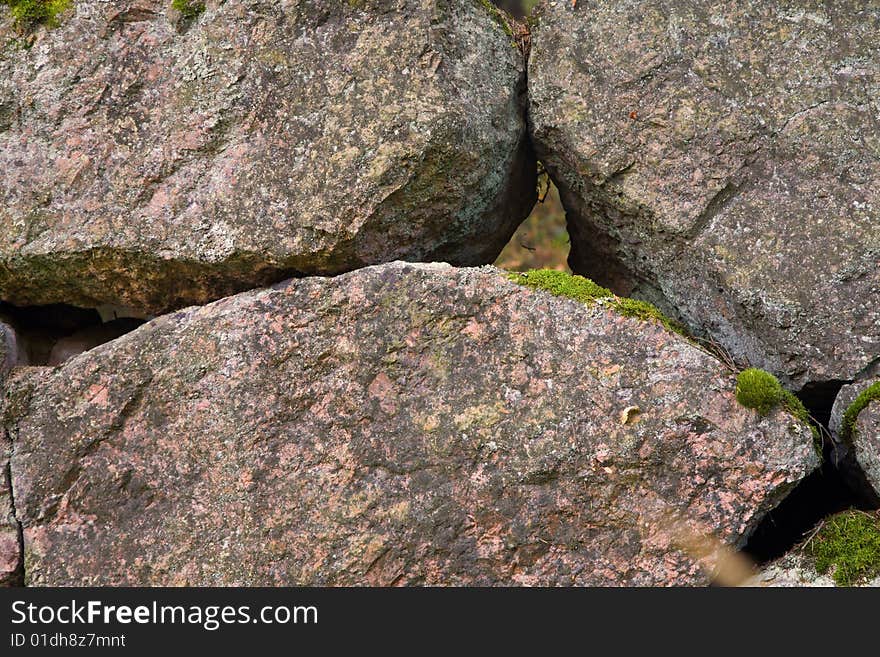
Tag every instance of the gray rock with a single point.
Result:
(722, 160)
(153, 162)
(401, 424)
(866, 444)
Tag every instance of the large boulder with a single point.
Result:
(401, 424)
(151, 160)
(723, 160)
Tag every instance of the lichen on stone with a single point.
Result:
(849, 542)
(579, 288)
(869, 394)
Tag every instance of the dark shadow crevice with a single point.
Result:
(819, 396)
(837, 485)
(53, 334)
(17, 578)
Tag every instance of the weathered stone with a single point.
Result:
(10, 544)
(401, 424)
(866, 444)
(151, 162)
(722, 160)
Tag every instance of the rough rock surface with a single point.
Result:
(151, 161)
(401, 424)
(866, 445)
(725, 159)
(10, 545)
(796, 570)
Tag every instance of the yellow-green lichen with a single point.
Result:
(848, 543)
(572, 286)
(872, 393)
(30, 13)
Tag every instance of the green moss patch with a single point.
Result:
(852, 412)
(30, 13)
(848, 543)
(760, 390)
(563, 284)
(188, 8)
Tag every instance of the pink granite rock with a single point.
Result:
(154, 162)
(401, 424)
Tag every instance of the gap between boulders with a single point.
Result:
(51, 335)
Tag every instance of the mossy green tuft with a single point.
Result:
(188, 8)
(647, 312)
(563, 284)
(848, 542)
(760, 390)
(872, 393)
(30, 13)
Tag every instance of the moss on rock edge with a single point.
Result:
(573, 286)
(760, 390)
(848, 425)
